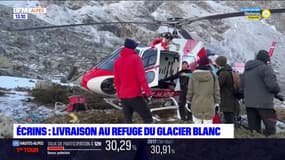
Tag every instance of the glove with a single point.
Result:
(242, 101)
(279, 97)
(217, 108)
(119, 102)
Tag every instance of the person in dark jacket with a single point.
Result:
(229, 104)
(130, 83)
(259, 84)
(183, 76)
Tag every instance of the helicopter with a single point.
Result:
(161, 59)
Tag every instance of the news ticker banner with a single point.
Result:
(122, 131)
(130, 149)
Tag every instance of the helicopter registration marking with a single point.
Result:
(164, 94)
(189, 46)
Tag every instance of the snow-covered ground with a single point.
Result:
(9, 82)
(14, 82)
(14, 104)
(239, 42)
(20, 4)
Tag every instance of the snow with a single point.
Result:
(63, 84)
(244, 38)
(186, 10)
(193, 10)
(125, 10)
(14, 82)
(57, 15)
(9, 82)
(20, 4)
(235, 45)
(241, 41)
(220, 8)
(14, 104)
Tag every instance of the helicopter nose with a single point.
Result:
(98, 81)
(102, 85)
(86, 77)
(84, 82)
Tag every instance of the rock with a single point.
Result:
(4, 61)
(2, 93)
(6, 129)
(63, 80)
(2, 50)
(74, 5)
(4, 72)
(43, 84)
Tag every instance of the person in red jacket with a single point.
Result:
(164, 41)
(131, 84)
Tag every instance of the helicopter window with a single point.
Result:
(107, 86)
(150, 76)
(108, 64)
(169, 64)
(149, 57)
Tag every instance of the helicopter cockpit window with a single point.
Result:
(150, 76)
(108, 63)
(149, 57)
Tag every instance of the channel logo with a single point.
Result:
(15, 143)
(256, 13)
(250, 9)
(22, 13)
(266, 13)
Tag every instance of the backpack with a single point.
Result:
(236, 85)
(77, 103)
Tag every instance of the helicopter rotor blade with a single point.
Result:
(225, 15)
(170, 22)
(83, 24)
(279, 10)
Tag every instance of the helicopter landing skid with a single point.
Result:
(114, 103)
(167, 104)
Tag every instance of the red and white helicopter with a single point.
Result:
(161, 60)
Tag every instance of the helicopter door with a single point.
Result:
(169, 64)
(150, 59)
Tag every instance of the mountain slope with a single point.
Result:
(55, 51)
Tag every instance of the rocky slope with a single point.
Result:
(42, 53)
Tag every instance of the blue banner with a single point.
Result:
(141, 149)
